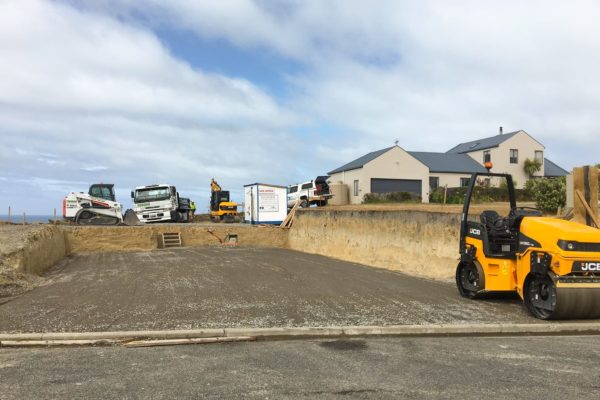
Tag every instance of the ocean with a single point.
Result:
(30, 219)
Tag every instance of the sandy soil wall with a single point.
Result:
(36, 249)
(416, 242)
(93, 239)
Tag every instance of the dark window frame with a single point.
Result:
(487, 156)
(514, 156)
(464, 182)
(541, 159)
(355, 187)
(435, 179)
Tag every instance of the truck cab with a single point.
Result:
(159, 203)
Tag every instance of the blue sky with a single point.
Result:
(135, 93)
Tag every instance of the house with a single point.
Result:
(383, 171)
(508, 153)
(394, 169)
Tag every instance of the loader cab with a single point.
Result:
(103, 190)
(499, 234)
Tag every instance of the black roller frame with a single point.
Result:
(463, 222)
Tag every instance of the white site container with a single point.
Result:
(265, 204)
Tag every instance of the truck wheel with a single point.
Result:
(304, 203)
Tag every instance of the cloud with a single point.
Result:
(91, 83)
(85, 97)
(429, 73)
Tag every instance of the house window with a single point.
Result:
(514, 156)
(464, 182)
(434, 182)
(487, 157)
(539, 156)
(356, 188)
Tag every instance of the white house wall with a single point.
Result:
(396, 164)
(348, 178)
(500, 157)
(449, 179)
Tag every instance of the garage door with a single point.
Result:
(395, 185)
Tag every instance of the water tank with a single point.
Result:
(340, 192)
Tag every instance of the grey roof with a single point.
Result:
(445, 162)
(553, 170)
(361, 161)
(481, 144)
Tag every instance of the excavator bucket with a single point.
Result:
(130, 218)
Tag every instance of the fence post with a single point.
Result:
(9, 214)
(23, 217)
(54, 215)
(445, 193)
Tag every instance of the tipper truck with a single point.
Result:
(160, 203)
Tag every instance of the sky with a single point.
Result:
(141, 92)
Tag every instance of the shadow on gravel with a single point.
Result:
(345, 345)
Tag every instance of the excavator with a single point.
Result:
(222, 209)
(96, 207)
(552, 264)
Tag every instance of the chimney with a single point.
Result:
(500, 131)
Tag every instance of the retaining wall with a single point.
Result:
(81, 239)
(40, 248)
(416, 242)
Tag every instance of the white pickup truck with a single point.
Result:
(309, 193)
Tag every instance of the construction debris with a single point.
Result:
(289, 220)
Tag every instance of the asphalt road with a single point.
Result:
(418, 368)
(215, 287)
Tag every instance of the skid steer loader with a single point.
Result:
(553, 264)
(97, 207)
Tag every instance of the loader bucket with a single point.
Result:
(130, 218)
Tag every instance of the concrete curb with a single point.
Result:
(291, 333)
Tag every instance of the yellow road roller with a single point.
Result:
(553, 264)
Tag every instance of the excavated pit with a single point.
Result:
(420, 243)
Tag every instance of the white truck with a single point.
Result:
(309, 193)
(159, 203)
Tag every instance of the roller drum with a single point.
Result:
(554, 297)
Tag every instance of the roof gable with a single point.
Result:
(448, 162)
(361, 161)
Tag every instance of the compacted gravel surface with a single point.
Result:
(217, 287)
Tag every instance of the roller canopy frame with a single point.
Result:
(465, 212)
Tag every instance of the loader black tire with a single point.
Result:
(468, 280)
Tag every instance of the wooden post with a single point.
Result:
(9, 214)
(445, 193)
(585, 207)
(24, 218)
(54, 215)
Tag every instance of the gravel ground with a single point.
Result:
(215, 287)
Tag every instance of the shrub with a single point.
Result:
(549, 194)
(531, 167)
(395, 197)
(481, 194)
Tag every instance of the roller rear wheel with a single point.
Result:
(540, 296)
(468, 280)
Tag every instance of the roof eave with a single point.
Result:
(343, 170)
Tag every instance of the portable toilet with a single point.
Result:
(265, 204)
